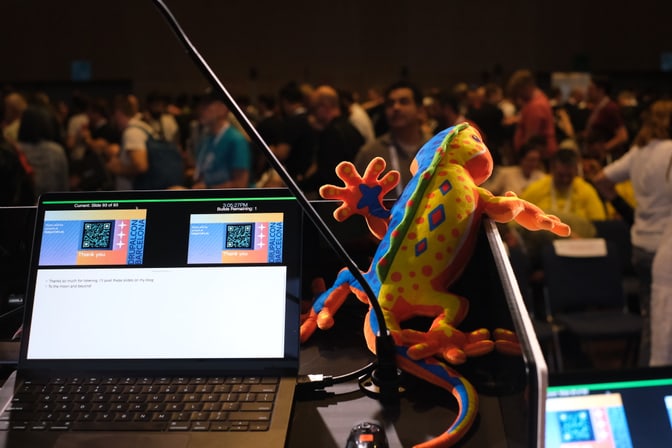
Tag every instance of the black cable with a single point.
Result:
(320, 381)
(384, 343)
(12, 311)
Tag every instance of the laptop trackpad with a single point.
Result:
(116, 440)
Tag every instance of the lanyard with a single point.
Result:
(554, 203)
(210, 142)
(394, 165)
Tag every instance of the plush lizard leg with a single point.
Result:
(321, 314)
(510, 207)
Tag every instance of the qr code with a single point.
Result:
(239, 236)
(576, 426)
(97, 235)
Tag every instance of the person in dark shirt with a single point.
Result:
(488, 117)
(296, 141)
(606, 136)
(337, 140)
(16, 187)
(270, 126)
(89, 172)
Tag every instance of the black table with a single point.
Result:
(324, 418)
(424, 411)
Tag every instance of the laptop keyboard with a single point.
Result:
(143, 404)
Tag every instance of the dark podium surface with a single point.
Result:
(325, 418)
(506, 385)
(424, 411)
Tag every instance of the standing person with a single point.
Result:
(449, 113)
(129, 159)
(163, 123)
(405, 136)
(270, 127)
(661, 303)
(223, 157)
(578, 111)
(375, 107)
(297, 139)
(46, 158)
(14, 104)
(75, 127)
(89, 172)
(16, 184)
(648, 164)
(357, 115)
(489, 118)
(337, 140)
(536, 115)
(606, 136)
(503, 143)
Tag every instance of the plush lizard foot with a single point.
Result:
(440, 340)
(363, 195)
(446, 341)
(506, 342)
(455, 356)
(478, 343)
(325, 320)
(308, 326)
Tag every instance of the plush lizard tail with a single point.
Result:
(429, 369)
(436, 372)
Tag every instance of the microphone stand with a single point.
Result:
(385, 375)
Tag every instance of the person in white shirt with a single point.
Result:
(661, 303)
(648, 164)
(358, 116)
(76, 125)
(131, 158)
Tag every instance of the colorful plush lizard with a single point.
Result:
(426, 240)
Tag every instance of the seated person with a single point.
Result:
(517, 177)
(565, 194)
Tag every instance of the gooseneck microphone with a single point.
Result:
(384, 382)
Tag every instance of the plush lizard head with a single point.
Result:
(461, 145)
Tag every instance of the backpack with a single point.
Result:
(166, 167)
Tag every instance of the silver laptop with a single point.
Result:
(158, 318)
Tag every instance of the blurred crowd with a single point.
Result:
(589, 154)
(92, 143)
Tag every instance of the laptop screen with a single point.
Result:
(166, 275)
(630, 409)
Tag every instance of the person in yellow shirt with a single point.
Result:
(562, 193)
(565, 194)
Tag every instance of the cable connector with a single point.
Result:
(315, 381)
